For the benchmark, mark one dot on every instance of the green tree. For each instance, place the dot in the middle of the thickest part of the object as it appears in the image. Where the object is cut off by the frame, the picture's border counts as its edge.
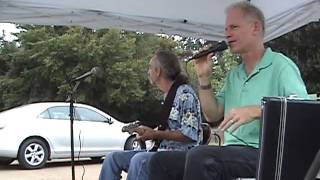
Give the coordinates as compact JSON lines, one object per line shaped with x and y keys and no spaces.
{"x":44,"y":59}
{"x":303,"y":47}
{"x":41,"y":62}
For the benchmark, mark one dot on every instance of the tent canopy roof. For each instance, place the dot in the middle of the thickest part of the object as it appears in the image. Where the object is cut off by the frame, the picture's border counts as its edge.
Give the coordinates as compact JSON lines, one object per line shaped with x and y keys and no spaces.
{"x":200,"y":19}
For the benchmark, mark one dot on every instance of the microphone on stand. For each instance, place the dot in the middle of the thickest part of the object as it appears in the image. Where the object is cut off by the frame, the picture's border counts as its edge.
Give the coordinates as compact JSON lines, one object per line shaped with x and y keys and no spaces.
{"x":95,"y":71}
{"x":221,"y":46}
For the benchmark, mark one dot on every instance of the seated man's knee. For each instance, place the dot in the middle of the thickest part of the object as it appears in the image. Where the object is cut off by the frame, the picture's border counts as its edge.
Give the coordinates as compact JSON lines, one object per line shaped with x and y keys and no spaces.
{"x":200,"y":152}
{"x":155,"y":160}
{"x":195,"y":152}
{"x":110,"y":157}
{"x":193,"y":155}
{"x":138,"y":158}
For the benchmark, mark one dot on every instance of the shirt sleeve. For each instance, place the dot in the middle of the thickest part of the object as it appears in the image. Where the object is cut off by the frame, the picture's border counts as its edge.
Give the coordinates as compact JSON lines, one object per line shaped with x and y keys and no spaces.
{"x":291,"y":82}
{"x":190,"y":116}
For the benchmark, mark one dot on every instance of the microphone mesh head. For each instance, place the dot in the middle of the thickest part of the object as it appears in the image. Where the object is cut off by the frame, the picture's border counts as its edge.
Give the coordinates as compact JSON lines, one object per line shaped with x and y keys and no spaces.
{"x":222,"y":46}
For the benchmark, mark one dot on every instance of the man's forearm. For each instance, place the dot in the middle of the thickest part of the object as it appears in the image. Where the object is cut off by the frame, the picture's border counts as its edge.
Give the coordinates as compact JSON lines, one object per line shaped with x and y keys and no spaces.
{"x":255,"y":111}
{"x":171,"y":135}
{"x":210,"y":107}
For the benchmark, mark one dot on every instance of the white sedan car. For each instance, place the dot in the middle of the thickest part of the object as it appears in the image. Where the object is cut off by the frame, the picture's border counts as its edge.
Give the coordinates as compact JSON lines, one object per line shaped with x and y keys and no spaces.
{"x":38,"y":132}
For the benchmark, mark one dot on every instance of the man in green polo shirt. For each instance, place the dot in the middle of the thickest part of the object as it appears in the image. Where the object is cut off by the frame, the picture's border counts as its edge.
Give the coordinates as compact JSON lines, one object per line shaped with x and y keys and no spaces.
{"x":273,"y":75}
{"x":261,"y":73}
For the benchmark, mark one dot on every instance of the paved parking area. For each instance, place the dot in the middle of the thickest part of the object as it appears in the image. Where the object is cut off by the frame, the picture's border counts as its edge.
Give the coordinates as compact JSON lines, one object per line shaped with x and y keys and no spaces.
{"x":58,"y":170}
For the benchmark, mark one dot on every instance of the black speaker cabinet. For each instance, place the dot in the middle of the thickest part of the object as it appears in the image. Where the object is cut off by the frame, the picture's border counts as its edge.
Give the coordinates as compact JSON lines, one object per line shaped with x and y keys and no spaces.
{"x":290,"y":138}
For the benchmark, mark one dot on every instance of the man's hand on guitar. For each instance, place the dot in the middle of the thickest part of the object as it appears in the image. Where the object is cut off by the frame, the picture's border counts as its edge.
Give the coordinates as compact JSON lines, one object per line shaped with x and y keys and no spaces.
{"x":137,"y":130}
{"x":145,"y":133}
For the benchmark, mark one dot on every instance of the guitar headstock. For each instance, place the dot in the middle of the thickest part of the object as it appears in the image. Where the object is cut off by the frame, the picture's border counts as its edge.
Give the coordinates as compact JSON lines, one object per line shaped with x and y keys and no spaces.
{"x":130,"y":127}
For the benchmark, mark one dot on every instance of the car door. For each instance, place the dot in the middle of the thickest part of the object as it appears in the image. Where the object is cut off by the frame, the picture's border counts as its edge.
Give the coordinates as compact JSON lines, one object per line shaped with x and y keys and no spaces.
{"x":57,"y":131}
{"x":101,"y":133}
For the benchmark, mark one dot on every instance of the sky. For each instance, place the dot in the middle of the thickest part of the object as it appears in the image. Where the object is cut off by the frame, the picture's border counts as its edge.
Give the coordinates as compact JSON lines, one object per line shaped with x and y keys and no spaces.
{"x":8,"y":29}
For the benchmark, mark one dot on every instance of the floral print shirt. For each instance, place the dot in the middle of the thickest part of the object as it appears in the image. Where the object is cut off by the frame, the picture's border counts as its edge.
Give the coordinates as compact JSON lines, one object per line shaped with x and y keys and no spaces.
{"x":185,"y":116}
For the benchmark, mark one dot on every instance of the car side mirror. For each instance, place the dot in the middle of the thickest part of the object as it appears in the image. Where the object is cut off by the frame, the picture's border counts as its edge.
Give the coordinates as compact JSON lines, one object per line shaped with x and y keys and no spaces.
{"x":109,"y":121}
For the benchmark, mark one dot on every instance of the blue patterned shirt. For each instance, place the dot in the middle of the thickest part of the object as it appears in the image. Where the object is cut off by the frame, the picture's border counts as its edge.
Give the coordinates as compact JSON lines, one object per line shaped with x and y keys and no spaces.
{"x":185,"y":116}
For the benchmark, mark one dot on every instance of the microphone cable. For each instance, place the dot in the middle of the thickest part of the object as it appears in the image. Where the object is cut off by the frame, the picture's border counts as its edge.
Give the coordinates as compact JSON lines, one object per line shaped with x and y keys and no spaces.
{"x":82,"y":164}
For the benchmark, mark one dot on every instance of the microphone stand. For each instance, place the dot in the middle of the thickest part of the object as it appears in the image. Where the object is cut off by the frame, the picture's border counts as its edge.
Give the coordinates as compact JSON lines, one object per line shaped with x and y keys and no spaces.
{"x":71,"y":99}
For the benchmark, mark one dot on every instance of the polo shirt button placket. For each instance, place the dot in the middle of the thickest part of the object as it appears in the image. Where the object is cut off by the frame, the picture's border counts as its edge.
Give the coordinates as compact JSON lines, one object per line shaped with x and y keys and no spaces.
{"x":244,"y":87}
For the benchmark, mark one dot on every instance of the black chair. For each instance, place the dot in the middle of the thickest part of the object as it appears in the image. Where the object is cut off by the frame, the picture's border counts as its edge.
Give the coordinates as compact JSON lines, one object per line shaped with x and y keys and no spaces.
{"x":206,"y":133}
{"x":209,"y":136}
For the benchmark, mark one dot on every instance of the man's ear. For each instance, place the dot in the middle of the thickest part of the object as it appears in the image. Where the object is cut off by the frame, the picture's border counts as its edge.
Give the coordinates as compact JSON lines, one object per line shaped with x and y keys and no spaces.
{"x":158,"y":71}
{"x":257,"y":28}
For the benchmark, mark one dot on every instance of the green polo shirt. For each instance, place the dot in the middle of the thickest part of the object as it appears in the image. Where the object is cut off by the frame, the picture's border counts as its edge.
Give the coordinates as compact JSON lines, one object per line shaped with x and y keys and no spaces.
{"x":275,"y":75}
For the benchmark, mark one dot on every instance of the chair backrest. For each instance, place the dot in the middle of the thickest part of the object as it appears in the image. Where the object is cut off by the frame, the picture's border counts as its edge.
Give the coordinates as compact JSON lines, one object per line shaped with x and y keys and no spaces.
{"x":206,"y":133}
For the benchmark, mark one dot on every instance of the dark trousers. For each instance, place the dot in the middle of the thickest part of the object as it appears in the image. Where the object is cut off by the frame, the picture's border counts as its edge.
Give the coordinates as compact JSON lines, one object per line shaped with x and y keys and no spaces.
{"x":205,"y":163}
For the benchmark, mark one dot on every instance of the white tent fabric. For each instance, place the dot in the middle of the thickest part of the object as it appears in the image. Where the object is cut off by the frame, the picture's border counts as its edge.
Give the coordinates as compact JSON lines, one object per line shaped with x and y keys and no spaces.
{"x":200,"y":19}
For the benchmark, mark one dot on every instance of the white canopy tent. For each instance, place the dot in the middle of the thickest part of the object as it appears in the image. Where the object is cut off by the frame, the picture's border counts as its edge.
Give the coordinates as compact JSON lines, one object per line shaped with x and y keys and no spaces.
{"x":200,"y":19}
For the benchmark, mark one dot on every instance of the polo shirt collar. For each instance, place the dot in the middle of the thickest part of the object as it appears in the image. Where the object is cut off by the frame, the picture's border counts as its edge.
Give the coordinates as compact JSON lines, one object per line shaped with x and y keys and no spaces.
{"x":265,"y":62}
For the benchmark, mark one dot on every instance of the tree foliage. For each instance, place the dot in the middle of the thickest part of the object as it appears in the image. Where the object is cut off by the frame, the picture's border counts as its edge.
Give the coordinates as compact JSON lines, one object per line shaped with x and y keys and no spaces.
{"x":39,"y":65}
{"x":303,"y":47}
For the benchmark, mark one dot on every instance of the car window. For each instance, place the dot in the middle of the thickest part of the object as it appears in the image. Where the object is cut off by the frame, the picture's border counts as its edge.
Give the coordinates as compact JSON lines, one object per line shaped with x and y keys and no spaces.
{"x":44,"y":115}
{"x":90,"y":115}
{"x":57,"y":112}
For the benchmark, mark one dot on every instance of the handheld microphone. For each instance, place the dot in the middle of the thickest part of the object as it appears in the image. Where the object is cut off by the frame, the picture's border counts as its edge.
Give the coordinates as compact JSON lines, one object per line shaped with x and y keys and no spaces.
{"x":95,"y":71}
{"x":221,"y":46}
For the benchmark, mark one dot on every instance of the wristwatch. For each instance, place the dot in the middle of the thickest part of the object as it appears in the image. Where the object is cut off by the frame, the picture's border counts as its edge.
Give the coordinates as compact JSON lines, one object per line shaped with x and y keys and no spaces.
{"x":205,"y":87}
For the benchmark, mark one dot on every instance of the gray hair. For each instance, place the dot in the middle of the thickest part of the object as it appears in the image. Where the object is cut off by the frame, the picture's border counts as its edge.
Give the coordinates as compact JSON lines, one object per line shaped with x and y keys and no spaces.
{"x":250,"y":11}
{"x":170,"y":65}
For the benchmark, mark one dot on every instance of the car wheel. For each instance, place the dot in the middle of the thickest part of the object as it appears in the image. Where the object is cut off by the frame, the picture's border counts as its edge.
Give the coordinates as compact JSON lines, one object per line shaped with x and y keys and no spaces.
{"x":6,"y":161}
{"x":33,"y":154}
{"x":133,"y":143}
